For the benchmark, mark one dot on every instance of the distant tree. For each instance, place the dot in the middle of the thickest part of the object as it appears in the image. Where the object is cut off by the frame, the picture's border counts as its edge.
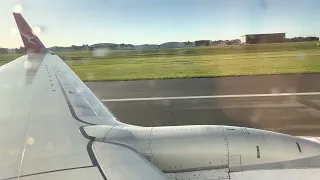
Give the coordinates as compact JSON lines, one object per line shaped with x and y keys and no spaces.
{"x":187,"y":43}
{"x":203,"y":43}
{"x":302,"y":39}
{"x":76,"y":48}
{"x":3,"y":50}
{"x":20,"y":50}
{"x":112,"y":46}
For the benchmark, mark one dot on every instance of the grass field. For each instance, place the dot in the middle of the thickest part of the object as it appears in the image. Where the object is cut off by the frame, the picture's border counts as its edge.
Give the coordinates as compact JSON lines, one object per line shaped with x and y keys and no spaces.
{"x":195,"y":62}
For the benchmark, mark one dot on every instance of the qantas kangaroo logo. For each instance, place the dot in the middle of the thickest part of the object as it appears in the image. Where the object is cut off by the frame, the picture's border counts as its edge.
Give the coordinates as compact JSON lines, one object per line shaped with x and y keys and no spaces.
{"x":29,"y":38}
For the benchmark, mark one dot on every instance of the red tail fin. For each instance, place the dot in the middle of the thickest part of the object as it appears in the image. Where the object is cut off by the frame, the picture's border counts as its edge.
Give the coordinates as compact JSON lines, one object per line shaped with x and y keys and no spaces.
{"x":31,"y":42}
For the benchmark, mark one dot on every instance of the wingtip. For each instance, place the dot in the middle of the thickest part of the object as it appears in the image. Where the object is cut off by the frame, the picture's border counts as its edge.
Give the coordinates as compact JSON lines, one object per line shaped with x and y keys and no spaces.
{"x":16,"y":14}
{"x":31,"y":42}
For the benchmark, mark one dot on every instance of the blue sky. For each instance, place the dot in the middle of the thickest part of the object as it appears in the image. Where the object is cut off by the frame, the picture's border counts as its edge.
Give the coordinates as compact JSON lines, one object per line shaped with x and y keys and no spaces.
{"x":68,"y":22}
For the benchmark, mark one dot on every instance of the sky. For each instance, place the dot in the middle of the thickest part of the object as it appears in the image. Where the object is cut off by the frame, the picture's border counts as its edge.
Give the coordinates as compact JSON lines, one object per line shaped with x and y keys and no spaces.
{"x":77,"y":22}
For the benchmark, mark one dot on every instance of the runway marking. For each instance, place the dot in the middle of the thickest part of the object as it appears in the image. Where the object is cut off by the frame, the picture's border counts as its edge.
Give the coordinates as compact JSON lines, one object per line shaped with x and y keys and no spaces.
{"x":270,"y":105}
{"x":213,"y":96}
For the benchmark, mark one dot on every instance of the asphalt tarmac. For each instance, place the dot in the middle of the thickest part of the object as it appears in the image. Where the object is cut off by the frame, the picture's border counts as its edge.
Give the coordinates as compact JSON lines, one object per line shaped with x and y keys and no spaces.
{"x":283,"y":103}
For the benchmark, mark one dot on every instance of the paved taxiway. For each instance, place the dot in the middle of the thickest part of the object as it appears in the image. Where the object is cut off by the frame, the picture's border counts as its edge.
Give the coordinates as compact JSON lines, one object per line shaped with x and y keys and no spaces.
{"x":283,"y":103}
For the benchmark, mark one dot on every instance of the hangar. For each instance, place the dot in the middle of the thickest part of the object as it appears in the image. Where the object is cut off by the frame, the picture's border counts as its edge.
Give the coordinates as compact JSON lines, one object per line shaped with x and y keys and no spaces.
{"x":263,"y":38}
{"x":169,"y":45}
{"x":147,"y":47}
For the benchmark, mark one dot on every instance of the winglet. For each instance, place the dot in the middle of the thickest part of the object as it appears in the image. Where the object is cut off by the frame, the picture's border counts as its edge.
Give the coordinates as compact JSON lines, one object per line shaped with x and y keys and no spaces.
{"x":31,"y":42}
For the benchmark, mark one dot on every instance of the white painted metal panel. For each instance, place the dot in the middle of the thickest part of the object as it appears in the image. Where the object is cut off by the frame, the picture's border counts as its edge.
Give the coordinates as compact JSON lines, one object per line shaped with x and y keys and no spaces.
{"x":217,"y":174}
{"x":288,"y":150}
{"x":235,"y":163}
{"x":235,"y":137}
{"x":310,"y":138}
{"x":236,"y":147}
{"x":213,"y":174}
{"x":185,"y":148}
{"x":283,"y":174}
{"x":99,"y":132}
{"x":260,"y":149}
{"x":118,"y":162}
{"x":135,"y":137}
{"x":38,"y":132}
{"x":172,"y":176}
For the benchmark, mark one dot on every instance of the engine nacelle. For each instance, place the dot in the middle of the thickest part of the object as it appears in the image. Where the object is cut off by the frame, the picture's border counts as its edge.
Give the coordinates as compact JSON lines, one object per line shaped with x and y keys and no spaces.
{"x":251,"y":149}
{"x":191,"y":148}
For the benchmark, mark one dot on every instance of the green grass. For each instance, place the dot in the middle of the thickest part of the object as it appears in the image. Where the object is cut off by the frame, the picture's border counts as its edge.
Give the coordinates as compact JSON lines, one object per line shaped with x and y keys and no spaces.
{"x":5,"y":58}
{"x":195,"y":62}
{"x":212,"y":50}
{"x":197,"y":66}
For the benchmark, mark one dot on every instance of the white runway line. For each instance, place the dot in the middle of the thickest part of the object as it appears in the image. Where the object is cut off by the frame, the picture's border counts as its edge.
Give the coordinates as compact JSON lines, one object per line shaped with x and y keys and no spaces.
{"x":213,"y":96}
{"x":245,"y":106}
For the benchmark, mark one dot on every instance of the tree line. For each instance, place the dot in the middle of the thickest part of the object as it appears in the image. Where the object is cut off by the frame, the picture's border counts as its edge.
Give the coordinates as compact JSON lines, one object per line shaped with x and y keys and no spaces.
{"x":21,"y":50}
{"x":302,"y":39}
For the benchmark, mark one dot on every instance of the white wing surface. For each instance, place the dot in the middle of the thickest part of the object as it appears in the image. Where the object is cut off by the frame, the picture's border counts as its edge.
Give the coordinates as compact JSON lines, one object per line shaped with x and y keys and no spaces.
{"x":43,"y":108}
{"x":121,"y":162}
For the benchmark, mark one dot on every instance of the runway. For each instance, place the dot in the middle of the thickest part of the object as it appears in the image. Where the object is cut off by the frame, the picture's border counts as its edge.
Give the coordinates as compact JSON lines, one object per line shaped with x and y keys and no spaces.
{"x":283,"y":103}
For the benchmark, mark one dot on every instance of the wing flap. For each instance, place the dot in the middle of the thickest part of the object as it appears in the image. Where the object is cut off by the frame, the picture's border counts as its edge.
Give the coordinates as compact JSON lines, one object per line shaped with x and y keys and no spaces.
{"x":84,"y":103}
{"x":119,"y":162}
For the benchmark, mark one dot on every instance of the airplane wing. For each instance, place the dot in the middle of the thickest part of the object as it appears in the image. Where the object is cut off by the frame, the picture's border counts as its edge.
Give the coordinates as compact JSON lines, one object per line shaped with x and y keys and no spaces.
{"x":48,"y":131}
{"x":43,"y":109}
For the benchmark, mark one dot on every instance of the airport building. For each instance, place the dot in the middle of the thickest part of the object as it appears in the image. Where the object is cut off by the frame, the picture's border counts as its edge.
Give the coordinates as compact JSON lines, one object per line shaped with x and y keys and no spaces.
{"x":169,"y":45}
{"x":110,"y":46}
{"x":263,"y":38}
{"x":146,"y":47}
